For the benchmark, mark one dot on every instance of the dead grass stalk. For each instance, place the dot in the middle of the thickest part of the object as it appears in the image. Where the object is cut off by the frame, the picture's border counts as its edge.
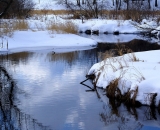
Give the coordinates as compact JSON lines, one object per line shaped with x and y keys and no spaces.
{"x":63,"y":27}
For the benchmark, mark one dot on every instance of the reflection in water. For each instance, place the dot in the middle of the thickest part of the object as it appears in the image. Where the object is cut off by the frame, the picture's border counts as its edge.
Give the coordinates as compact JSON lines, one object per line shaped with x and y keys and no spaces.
{"x":44,"y":93}
{"x":48,"y":90}
{"x":71,"y":57}
{"x":11,"y":117}
{"x":135,"y":45}
{"x":122,"y":117}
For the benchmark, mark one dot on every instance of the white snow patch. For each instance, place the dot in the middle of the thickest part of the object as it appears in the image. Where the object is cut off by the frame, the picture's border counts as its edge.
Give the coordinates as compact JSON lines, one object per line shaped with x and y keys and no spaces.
{"x":143,"y":73}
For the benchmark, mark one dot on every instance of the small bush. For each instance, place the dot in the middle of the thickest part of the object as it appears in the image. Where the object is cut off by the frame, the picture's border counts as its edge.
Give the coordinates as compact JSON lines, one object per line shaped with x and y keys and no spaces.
{"x":66,"y":27}
{"x":20,"y":25}
{"x":49,"y":12}
{"x":6,"y":28}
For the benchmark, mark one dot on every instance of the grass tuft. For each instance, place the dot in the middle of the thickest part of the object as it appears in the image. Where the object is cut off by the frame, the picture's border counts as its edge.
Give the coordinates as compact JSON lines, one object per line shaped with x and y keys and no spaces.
{"x":20,"y":25}
{"x":62,"y":27}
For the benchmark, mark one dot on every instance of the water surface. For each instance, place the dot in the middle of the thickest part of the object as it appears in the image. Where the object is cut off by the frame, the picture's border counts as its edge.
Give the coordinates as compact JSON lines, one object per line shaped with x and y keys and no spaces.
{"x":47,"y":95}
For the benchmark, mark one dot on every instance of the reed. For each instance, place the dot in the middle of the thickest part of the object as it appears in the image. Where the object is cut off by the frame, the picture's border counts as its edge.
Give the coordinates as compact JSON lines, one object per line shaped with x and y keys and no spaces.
{"x":62,"y":27}
{"x":6,"y":28}
{"x":50,"y":12}
{"x":20,"y":25}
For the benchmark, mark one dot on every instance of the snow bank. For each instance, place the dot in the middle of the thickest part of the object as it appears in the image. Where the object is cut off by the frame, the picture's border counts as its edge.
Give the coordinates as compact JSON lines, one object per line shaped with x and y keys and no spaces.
{"x":109,"y":26}
{"x":29,"y":40}
{"x":140,"y":70}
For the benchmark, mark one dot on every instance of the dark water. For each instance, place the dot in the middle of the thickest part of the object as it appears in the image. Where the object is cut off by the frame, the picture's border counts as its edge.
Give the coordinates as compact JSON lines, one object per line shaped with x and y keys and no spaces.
{"x":42,"y":91}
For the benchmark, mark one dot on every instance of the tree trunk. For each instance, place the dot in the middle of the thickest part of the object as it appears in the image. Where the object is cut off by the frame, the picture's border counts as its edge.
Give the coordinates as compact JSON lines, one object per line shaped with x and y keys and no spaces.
{"x":94,"y":2}
{"x":127,"y":1}
{"x":149,"y":4}
{"x":156,"y":3}
{"x":83,"y":2}
{"x":78,"y":3}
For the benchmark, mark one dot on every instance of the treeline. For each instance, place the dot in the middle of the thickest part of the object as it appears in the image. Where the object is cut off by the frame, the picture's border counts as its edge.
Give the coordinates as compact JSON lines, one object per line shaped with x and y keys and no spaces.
{"x":15,"y":8}
{"x":126,"y":9}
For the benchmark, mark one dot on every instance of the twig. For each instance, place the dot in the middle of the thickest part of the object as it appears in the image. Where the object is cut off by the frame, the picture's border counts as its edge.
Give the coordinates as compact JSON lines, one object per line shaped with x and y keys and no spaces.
{"x":91,"y":89}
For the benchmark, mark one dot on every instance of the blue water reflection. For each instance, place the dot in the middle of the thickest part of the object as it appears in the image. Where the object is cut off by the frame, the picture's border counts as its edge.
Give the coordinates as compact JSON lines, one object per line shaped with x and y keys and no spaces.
{"x":48,"y":96}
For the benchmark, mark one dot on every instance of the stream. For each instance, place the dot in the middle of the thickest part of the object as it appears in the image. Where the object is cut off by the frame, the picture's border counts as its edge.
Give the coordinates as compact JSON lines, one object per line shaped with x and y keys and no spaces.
{"x":42,"y":91}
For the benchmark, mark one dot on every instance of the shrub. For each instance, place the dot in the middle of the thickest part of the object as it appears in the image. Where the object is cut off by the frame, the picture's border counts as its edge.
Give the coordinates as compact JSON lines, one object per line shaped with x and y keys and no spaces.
{"x":20,"y":25}
{"x":62,"y":27}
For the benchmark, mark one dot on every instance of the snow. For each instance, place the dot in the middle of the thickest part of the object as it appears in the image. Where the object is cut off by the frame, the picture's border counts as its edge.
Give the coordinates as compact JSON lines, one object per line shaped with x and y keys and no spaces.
{"x":109,"y":26}
{"x":142,"y":73}
{"x":52,"y":4}
{"x":29,"y":40}
{"x":48,"y":4}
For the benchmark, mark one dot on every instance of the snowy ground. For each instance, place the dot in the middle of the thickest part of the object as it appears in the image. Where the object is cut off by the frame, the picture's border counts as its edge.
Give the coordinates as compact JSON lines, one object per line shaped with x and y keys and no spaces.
{"x":41,"y":40}
{"x":37,"y":34}
{"x":140,"y":70}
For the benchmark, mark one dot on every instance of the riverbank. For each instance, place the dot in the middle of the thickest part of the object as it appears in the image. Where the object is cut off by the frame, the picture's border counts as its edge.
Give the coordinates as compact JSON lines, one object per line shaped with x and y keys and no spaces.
{"x":55,"y":31}
{"x":134,"y":75}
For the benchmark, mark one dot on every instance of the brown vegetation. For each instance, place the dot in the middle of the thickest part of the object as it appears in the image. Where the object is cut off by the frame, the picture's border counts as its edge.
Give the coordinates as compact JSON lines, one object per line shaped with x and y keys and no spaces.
{"x":62,"y":27}
{"x":49,"y":12}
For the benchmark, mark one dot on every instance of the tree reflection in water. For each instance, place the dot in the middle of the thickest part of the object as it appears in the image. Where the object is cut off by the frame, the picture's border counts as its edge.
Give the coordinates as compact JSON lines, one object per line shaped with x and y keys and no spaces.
{"x":11,"y":118}
{"x":120,"y":116}
{"x":125,"y":117}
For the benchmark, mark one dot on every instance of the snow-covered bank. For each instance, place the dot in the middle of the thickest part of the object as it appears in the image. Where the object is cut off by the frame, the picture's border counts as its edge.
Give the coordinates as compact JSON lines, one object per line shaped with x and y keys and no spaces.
{"x":109,"y":26}
{"x":116,"y":26}
{"x":29,"y":40}
{"x":110,"y":38}
{"x":139,"y":70}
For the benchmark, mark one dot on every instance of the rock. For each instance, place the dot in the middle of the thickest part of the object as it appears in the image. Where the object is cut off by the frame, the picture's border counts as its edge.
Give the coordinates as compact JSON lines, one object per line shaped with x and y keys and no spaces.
{"x":88,"y":32}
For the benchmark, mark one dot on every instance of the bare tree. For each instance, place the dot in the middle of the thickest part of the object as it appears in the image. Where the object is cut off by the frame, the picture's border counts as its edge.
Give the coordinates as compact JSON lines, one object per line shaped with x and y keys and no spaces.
{"x":4,"y":6}
{"x":113,"y":2}
{"x":149,"y":4}
{"x":94,"y":2}
{"x":78,"y":2}
{"x":118,"y":4}
{"x":83,"y":1}
{"x":156,"y":3}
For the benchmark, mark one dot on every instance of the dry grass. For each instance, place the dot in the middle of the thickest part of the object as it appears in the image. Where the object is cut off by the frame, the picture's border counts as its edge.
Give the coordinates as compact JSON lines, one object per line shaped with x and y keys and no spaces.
{"x":20,"y":25}
{"x":133,"y":57}
{"x":106,"y":54}
{"x":133,"y":14}
{"x":49,"y":12}
{"x":136,"y":15}
{"x":62,"y":27}
{"x":112,"y":88}
{"x":120,"y":63}
{"x":6,"y":29}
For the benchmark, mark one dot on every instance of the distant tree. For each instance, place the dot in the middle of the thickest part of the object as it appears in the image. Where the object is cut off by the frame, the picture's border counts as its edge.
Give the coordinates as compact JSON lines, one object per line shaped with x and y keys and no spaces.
{"x":16,"y":8}
{"x":78,"y":2}
{"x":83,"y":1}
{"x":156,"y":3}
{"x":94,"y":2}
{"x":85,"y":8}
{"x":149,"y":4}
{"x":4,"y":6}
{"x":127,"y":3}
{"x":118,"y":4}
{"x":113,"y":2}
{"x":21,"y":8}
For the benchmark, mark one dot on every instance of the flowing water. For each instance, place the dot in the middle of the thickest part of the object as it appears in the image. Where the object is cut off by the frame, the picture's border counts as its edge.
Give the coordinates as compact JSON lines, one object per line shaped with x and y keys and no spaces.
{"x":42,"y":91}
